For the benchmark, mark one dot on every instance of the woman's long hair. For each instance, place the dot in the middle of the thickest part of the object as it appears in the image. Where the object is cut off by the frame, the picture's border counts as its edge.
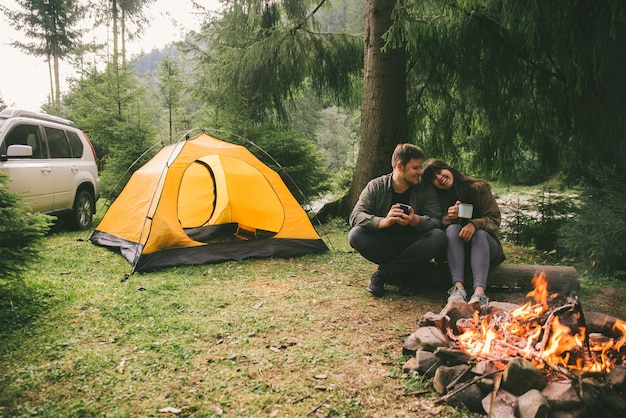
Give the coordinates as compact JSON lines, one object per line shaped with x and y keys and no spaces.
{"x":462,"y":183}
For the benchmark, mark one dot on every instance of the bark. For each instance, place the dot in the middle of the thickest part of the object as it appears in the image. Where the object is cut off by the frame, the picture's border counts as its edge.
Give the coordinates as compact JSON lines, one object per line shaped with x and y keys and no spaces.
{"x":57,"y":82}
{"x":561,"y":279}
{"x":384,"y":109}
{"x":50,"y":76}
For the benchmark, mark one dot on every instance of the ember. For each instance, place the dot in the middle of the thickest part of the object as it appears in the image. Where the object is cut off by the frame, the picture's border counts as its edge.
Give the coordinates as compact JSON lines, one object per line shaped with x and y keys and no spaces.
{"x":527,"y":360}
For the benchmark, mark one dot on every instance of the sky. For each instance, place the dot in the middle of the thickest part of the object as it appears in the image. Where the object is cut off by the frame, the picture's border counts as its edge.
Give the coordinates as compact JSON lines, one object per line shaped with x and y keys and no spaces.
{"x":24,"y":79}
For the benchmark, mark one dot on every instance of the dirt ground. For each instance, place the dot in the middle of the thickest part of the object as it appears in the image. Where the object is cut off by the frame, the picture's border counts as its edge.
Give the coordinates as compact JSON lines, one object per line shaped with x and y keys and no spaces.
{"x":606,"y":300}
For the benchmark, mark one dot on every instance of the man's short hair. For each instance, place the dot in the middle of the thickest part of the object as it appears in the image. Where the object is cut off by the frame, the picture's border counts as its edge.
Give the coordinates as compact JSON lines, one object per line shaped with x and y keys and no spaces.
{"x":405,"y":153}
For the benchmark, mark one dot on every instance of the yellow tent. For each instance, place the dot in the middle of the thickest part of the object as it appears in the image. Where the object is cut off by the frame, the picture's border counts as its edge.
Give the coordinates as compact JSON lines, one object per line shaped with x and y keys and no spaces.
{"x":203,"y":200}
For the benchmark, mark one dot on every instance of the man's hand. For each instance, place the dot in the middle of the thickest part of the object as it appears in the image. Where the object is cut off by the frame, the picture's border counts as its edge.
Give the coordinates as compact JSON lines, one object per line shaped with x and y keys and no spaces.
{"x":397,"y":215}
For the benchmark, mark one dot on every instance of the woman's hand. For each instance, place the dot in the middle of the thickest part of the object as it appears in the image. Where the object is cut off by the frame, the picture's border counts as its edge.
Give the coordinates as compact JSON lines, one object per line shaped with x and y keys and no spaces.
{"x":467,"y":232}
{"x":453,"y":211}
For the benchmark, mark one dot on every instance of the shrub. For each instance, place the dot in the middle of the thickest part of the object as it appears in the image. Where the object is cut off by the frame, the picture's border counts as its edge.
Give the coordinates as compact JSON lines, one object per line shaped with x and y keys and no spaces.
{"x":537,"y":224}
{"x":20,"y":233}
{"x":300,"y":165}
{"x":595,"y":237}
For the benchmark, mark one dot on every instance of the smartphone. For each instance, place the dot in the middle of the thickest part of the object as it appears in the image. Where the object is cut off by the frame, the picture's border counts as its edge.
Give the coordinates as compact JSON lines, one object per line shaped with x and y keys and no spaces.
{"x":405,"y":208}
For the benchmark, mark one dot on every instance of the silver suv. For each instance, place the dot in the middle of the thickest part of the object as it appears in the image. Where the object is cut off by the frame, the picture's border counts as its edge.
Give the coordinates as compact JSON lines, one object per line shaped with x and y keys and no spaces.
{"x":51,"y":163}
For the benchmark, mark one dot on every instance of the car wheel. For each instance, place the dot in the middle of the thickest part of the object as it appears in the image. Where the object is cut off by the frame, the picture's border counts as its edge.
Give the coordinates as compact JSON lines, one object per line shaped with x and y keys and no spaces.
{"x":82,"y":214}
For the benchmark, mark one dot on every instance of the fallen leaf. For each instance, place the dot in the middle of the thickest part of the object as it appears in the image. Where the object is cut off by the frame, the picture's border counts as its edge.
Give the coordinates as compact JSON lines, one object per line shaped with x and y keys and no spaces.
{"x":218,"y":409}
{"x":120,"y":367}
{"x":274,"y":413}
{"x":170,"y":410}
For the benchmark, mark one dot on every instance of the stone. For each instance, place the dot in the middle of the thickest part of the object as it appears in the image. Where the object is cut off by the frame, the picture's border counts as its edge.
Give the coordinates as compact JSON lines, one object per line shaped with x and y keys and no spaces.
{"x":487,"y":367}
{"x":614,"y":404}
{"x":435,"y":320}
{"x":469,"y":397}
{"x":502,"y":405}
{"x":429,"y":338}
{"x":410,"y":365}
{"x":562,"y":396}
{"x":445,"y":375}
{"x":521,"y":376}
{"x":617,"y":378}
{"x":452,"y":356}
{"x":532,"y":404}
{"x":411,"y":345}
{"x":427,"y":363}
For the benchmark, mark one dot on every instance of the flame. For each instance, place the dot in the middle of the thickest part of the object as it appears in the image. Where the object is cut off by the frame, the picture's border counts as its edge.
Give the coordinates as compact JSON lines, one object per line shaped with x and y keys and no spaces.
{"x":540,"y":290}
{"x":620,"y":326}
{"x":526,"y":332}
{"x":561,"y":343}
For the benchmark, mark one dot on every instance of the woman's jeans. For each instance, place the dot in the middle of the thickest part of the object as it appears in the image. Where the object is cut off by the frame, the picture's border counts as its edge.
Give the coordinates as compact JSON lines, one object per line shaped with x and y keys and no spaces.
{"x":482,"y":250}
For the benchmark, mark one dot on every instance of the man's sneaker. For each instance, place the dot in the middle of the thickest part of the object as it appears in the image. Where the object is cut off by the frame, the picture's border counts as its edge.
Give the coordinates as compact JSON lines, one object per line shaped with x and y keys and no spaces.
{"x":456,"y":293}
{"x":479,"y":301}
{"x":377,"y":284}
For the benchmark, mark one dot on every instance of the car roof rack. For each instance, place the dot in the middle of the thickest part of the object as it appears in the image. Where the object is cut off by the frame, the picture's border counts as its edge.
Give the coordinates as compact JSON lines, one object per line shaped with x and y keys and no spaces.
{"x":17,"y":113}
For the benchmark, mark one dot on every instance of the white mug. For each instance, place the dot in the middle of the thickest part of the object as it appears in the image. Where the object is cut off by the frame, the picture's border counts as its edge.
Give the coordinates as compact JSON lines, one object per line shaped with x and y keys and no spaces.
{"x":466,"y":210}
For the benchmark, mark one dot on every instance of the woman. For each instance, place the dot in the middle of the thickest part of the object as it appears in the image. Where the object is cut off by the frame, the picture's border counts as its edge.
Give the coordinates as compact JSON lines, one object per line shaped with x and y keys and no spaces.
{"x":475,"y":237}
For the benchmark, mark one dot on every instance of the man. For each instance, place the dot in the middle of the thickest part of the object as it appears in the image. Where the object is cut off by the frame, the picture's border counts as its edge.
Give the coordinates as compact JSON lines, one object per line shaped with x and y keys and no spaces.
{"x":400,"y":242}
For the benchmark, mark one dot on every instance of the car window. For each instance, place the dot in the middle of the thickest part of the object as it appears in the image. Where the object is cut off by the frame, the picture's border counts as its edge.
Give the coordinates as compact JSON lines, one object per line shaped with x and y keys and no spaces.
{"x":57,"y":143}
{"x":75,"y":144}
{"x":25,"y":135}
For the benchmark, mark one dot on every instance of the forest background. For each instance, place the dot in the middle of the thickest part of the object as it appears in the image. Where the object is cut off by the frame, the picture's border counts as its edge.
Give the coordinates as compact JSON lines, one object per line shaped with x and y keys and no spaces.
{"x":514,"y":92}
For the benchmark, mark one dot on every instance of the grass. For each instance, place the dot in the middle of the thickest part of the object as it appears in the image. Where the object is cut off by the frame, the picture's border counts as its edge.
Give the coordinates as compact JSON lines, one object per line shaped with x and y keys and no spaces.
{"x":269,"y":337}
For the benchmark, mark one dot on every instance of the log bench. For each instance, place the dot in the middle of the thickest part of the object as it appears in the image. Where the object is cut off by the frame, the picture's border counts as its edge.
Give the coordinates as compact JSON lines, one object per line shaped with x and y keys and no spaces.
{"x":561,"y":279}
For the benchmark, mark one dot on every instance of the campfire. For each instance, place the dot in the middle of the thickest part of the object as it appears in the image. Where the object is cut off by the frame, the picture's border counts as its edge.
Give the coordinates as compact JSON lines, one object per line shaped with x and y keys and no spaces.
{"x":533,"y":360}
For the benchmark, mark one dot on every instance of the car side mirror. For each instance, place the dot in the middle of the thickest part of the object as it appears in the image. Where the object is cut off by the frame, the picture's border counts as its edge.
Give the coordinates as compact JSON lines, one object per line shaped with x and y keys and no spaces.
{"x":19,"y":151}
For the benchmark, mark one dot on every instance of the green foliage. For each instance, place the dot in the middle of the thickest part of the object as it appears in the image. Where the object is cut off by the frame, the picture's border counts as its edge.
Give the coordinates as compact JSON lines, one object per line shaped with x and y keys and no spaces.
{"x":343,"y":16}
{"x":21,"y":233}
{"x":258,"y":57}
{"x":114,"y":111}
{"x":499,"y":86}
{"x":300,"y":164}
{"x":595,"y":236}
{"x":171,"y":91}
{"x":335,"y":132}
{"x":537,"y":222}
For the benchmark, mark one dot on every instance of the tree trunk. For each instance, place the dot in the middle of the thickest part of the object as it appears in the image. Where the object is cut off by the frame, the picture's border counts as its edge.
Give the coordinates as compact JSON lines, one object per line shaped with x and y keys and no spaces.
{"x":51,"y":99}
{"x":57,"y":83}
{"x":561,"y":279}
{"x":384,"y":109}
{"x":115,"y":33}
